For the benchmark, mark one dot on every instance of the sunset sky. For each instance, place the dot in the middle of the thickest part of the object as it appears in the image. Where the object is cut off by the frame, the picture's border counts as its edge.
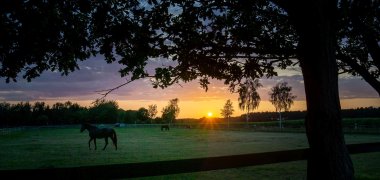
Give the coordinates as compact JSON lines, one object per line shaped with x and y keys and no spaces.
{"x":194,"y":102}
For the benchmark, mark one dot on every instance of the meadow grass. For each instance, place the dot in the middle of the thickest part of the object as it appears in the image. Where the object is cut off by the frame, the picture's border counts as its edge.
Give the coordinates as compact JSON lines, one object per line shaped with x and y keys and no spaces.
{"x":67,"y":147}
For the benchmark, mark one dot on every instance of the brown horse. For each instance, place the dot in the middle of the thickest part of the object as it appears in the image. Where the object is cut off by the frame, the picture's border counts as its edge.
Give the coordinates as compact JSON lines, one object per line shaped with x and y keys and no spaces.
{"x":99,"y":133}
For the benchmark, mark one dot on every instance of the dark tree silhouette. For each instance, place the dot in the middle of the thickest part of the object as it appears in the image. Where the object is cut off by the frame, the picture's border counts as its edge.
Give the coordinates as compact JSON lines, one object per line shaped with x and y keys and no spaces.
{"x":358,"y":51}
{"x":226,"y":40}
{"x":171,"y":111}
{"x":143,"y":115}
{"x":104,"y":112}
{"x":152,"y":111}
{"x":227,"y":111}
{"x":249,"y":98}
{"x":281,"y":98}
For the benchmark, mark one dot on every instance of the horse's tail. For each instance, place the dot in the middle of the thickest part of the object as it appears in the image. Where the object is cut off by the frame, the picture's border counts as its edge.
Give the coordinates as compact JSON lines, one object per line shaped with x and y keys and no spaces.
{"x":114,"y":138}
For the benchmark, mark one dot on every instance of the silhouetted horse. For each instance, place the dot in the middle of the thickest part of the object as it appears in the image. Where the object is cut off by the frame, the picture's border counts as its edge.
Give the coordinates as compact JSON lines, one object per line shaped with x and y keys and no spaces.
{"x":165,"y":127}
{"x":95,"y":132}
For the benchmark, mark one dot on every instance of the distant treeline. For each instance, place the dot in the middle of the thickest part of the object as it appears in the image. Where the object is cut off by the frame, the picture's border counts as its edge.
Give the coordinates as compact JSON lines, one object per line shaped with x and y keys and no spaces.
{"x":363,"y":112}
{"x":108,"y":112}
{"x":39,"y":113}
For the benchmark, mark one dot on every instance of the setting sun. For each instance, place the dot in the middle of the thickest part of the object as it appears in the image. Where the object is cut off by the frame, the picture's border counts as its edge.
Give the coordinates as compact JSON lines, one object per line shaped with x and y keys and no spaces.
{"x":209,"y":114}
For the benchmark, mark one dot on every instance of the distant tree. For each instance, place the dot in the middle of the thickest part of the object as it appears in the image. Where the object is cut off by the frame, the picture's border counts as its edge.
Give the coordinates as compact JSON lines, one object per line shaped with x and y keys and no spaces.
{"x":227,"y":111}
{"x":131,"y":116}
{"x":42,"y":119}
{"x":152,"y":111}
{"x":39,"y":113}
{"x":171,"y":111}
{"x":5,"y":112}
{"x":81,"y":115}
{"x":39,"y":107}
{"x":21,"y":114}
{"x":167,"y":115}
{"x":59,"y":112}
{"x":143,"y":115}
{"x":58,"y":106}
{"x":104,"y":112}
{"x":74,"y":112}
{"x":281,"y":98}
{"x":158,"y":120}
{"x":121,"y":115}
{"x":67,"y":113}
{"x":249,"y":98}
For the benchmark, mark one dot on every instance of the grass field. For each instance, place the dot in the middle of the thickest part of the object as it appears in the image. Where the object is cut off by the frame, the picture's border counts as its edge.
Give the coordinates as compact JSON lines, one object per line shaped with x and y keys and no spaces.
{"x":67,"y":147}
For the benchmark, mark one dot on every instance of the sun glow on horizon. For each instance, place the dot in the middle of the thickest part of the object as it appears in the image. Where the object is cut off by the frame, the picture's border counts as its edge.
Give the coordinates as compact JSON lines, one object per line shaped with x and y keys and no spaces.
{"x":199,"y":109}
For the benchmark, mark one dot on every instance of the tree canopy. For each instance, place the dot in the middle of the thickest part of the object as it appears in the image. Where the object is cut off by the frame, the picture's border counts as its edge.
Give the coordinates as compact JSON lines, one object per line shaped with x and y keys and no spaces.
{"x":281,"y":96}
{"x":152,"y":111}
{"x":227,"y":110}
{"x":249,"y":99}
{"x":171,"y":111}
{"x":243,"y":38}
{"x":358,"y":51}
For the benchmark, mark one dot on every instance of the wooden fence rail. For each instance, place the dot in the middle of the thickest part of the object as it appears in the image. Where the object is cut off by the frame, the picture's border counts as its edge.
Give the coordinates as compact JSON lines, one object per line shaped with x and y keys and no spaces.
{"x":144,"y":169}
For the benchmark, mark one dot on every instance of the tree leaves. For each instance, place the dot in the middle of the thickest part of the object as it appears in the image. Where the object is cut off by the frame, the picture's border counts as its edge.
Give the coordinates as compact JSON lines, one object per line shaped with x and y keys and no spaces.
{"x":281,"y":96}
{"x":226,"y":40}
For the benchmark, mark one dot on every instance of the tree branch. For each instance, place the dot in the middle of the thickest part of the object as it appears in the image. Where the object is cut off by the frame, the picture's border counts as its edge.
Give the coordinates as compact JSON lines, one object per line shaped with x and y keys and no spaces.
{"x":369,"y":35}
{"x":371,"y":80}
{"x":105,"y":92}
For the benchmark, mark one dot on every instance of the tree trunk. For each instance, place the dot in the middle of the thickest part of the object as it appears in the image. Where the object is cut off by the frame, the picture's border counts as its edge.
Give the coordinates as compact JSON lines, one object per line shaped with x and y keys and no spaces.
{"x":315,"y":24}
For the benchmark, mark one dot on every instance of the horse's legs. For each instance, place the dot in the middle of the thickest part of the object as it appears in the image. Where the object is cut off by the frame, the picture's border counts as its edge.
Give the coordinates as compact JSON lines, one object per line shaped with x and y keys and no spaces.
{"x":114,"y":142}
{"x":89,"y":143}
{"x":106,"y":139}
{"x":95,"y":142}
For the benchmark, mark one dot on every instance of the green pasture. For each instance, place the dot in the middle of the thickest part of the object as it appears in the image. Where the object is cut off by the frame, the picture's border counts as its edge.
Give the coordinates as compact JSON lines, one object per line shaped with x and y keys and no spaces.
{"x":67,"y":147}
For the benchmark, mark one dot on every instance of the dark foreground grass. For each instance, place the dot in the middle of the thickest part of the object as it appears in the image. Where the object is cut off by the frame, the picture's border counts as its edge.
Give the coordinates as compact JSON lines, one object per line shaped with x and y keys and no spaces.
{"x":366,"y":168}
{"x":67,"y":147}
